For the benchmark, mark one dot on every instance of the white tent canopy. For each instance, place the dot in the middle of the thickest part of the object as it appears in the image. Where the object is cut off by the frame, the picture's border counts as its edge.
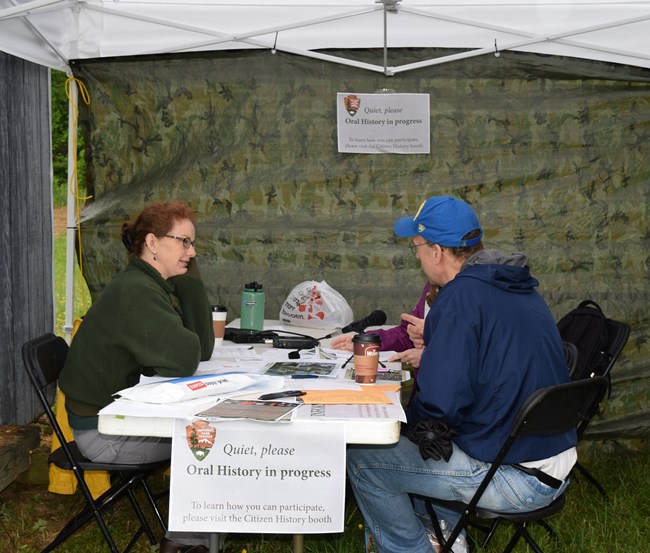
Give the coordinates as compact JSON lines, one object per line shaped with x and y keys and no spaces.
{"x":52,"y":32}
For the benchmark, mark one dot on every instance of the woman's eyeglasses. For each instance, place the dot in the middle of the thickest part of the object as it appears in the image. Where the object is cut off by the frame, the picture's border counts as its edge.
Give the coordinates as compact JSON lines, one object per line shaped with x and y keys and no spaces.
{"x":187,"y":242}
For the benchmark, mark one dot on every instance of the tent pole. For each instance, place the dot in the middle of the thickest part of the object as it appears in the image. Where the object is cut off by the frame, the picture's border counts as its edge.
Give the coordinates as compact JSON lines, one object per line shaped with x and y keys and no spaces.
{"x":29,"y":8}
{"x":71,"y":226}
{"x":385,"y":39}
{"x":389,"y":6}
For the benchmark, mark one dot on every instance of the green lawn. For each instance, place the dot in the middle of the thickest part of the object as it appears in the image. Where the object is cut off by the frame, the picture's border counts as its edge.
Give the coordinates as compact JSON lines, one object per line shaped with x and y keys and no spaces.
{"x":29,"y":516}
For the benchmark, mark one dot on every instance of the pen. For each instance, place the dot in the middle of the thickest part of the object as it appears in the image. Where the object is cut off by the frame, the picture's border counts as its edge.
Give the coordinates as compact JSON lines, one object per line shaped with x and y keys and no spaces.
{"x":304,"y":376}
{"x":278,"y":395}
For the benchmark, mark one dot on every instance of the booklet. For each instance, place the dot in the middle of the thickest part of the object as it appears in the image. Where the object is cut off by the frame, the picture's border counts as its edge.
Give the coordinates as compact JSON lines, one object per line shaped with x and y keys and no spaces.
{"x":302,"y":368}
{"x":252,"y":409}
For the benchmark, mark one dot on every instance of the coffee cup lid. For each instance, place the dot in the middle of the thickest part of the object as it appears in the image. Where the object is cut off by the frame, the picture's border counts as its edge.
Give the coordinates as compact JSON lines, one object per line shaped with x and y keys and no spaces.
{"x":368,"y":338}
{"x":219,"y":308}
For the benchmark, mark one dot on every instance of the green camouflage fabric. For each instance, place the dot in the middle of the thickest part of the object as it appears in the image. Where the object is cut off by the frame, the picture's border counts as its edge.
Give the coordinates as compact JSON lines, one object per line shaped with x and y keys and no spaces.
{"x":551,"y":152}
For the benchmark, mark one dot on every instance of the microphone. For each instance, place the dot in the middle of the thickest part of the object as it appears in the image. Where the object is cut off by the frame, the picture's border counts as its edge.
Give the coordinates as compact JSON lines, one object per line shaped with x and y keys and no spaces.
{"x":376,"y":318}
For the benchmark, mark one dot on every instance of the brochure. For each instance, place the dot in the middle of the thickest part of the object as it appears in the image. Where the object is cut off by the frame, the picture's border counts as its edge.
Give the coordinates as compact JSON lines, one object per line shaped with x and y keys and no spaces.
{"x":302,"y":368}
{"x":251,"y":409}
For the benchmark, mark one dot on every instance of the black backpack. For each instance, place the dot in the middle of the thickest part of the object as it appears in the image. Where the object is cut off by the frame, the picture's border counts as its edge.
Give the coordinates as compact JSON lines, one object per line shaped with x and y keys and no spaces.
{"x":586,"y":327}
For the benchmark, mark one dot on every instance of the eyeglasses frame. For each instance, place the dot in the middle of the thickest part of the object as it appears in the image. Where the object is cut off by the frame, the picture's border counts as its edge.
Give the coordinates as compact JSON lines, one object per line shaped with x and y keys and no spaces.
{"x":413,"y":248}
{"x":187,"y":242}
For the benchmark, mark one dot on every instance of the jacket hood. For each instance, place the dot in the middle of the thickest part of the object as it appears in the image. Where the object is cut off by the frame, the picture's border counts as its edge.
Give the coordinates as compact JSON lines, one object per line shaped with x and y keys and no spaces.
{"x":509,"y":272}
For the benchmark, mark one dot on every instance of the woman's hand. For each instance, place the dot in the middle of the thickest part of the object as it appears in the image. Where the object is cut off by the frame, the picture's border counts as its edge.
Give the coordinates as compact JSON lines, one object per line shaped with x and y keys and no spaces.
{"x":415,"y":329}
{"x":343,"y":342}
{"x":410,"y":356}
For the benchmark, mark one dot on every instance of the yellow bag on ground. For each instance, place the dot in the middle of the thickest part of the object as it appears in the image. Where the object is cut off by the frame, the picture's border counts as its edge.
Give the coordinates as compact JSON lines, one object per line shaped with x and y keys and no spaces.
{"x":62,"y":481}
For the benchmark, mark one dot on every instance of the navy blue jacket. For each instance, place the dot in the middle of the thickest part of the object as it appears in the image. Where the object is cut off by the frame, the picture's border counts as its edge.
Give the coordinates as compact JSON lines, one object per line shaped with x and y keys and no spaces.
{"x":491,"y":340}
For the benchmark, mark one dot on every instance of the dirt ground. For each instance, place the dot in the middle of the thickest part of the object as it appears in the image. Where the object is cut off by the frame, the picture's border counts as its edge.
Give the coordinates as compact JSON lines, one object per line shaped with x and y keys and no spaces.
{"x":60,"y":216}
{"x":9,"y":434}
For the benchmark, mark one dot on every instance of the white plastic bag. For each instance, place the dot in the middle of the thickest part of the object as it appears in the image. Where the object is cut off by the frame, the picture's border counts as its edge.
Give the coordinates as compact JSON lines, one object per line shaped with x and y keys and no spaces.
{"x":191,"y":387}
{"x":314,"y":304}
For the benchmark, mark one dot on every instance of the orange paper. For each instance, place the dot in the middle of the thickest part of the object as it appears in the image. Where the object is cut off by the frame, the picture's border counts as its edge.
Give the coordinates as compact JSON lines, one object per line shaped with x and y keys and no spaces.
{"x":382,"y":387}
{"x":345,"y":397}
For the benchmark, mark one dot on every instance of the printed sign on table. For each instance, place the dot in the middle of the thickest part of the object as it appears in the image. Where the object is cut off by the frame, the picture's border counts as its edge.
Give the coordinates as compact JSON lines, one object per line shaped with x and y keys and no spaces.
{"x":383,"y":123}
{"x":255,"y":477}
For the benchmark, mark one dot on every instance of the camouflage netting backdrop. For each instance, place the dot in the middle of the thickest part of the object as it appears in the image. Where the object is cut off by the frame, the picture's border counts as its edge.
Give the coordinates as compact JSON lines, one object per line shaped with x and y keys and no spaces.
{"x":551,"y":152}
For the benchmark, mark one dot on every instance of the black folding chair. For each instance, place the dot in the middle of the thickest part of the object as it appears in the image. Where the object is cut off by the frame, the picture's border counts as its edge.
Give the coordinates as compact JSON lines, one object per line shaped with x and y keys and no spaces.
{"x":548,"y":411}
{"x":44,"y":358}
{"x":618,"y":334}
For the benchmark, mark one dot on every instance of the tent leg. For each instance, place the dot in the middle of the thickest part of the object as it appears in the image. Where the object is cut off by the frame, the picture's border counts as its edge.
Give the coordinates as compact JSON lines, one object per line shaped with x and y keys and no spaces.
{"x":71,"y":226}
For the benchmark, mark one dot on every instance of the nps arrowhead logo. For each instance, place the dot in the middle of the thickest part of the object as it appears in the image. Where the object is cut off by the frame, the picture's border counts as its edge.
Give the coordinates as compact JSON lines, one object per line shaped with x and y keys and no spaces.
{"x":200,"y":438}
{"x":352,"y":104}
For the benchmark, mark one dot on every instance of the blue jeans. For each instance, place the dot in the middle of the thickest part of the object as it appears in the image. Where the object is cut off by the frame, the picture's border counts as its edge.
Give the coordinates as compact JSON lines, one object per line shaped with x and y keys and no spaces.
{"x":383,"y":477}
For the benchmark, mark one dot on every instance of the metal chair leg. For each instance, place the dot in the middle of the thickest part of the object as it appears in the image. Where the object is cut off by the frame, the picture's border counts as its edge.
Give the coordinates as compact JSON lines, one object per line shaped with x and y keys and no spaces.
{"x":592,"y":479}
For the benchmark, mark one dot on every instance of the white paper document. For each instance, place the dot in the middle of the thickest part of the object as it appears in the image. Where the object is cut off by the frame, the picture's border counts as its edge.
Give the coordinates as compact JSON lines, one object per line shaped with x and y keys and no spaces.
{"x":184,"y":409}
{"x":233,"y":352}
{"x":259,"y":384}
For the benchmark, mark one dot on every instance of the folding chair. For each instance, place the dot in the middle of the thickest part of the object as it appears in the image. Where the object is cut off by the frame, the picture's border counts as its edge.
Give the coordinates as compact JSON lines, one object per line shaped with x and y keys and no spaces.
{"x":547,"y":411}
{"x":618,"y":334}
{"x":44,"y":358}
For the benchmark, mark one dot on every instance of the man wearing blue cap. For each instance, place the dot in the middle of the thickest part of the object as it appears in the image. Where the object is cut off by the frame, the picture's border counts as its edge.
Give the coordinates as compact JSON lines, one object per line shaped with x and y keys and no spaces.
{"x":490,"y":342}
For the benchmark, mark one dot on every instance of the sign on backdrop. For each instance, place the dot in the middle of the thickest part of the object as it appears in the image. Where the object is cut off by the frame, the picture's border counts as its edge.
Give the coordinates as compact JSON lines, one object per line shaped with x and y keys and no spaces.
{"x":253,"y":477}
{"x":383,"y":123}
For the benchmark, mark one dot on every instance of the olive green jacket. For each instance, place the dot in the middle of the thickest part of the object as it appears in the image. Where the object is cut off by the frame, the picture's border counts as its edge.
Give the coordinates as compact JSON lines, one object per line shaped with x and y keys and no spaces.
{"x":140,"y":324}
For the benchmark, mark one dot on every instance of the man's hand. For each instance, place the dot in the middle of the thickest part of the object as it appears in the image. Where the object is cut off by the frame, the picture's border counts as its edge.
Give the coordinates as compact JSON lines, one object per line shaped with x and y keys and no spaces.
{"x":410,"y":356}
{"x":343,"y":342}
{"x":415,"y":329}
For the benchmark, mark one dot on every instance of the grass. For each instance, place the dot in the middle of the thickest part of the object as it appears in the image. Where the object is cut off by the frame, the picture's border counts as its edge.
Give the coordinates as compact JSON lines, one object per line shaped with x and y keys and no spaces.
{"x":30,"y":516}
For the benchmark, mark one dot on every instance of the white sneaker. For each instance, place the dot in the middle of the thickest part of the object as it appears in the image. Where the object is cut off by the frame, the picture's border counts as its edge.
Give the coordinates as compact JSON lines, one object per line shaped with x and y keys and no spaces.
{"x":460,"y":545}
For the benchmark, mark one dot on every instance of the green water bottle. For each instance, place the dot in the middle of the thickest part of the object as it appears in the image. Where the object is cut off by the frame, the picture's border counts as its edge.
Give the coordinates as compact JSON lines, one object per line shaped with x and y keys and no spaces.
{"x":252,"y":306}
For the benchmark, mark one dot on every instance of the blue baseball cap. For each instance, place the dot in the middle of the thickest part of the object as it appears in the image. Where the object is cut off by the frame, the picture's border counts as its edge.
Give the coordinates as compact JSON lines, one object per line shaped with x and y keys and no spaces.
{"x":441,"y":220}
